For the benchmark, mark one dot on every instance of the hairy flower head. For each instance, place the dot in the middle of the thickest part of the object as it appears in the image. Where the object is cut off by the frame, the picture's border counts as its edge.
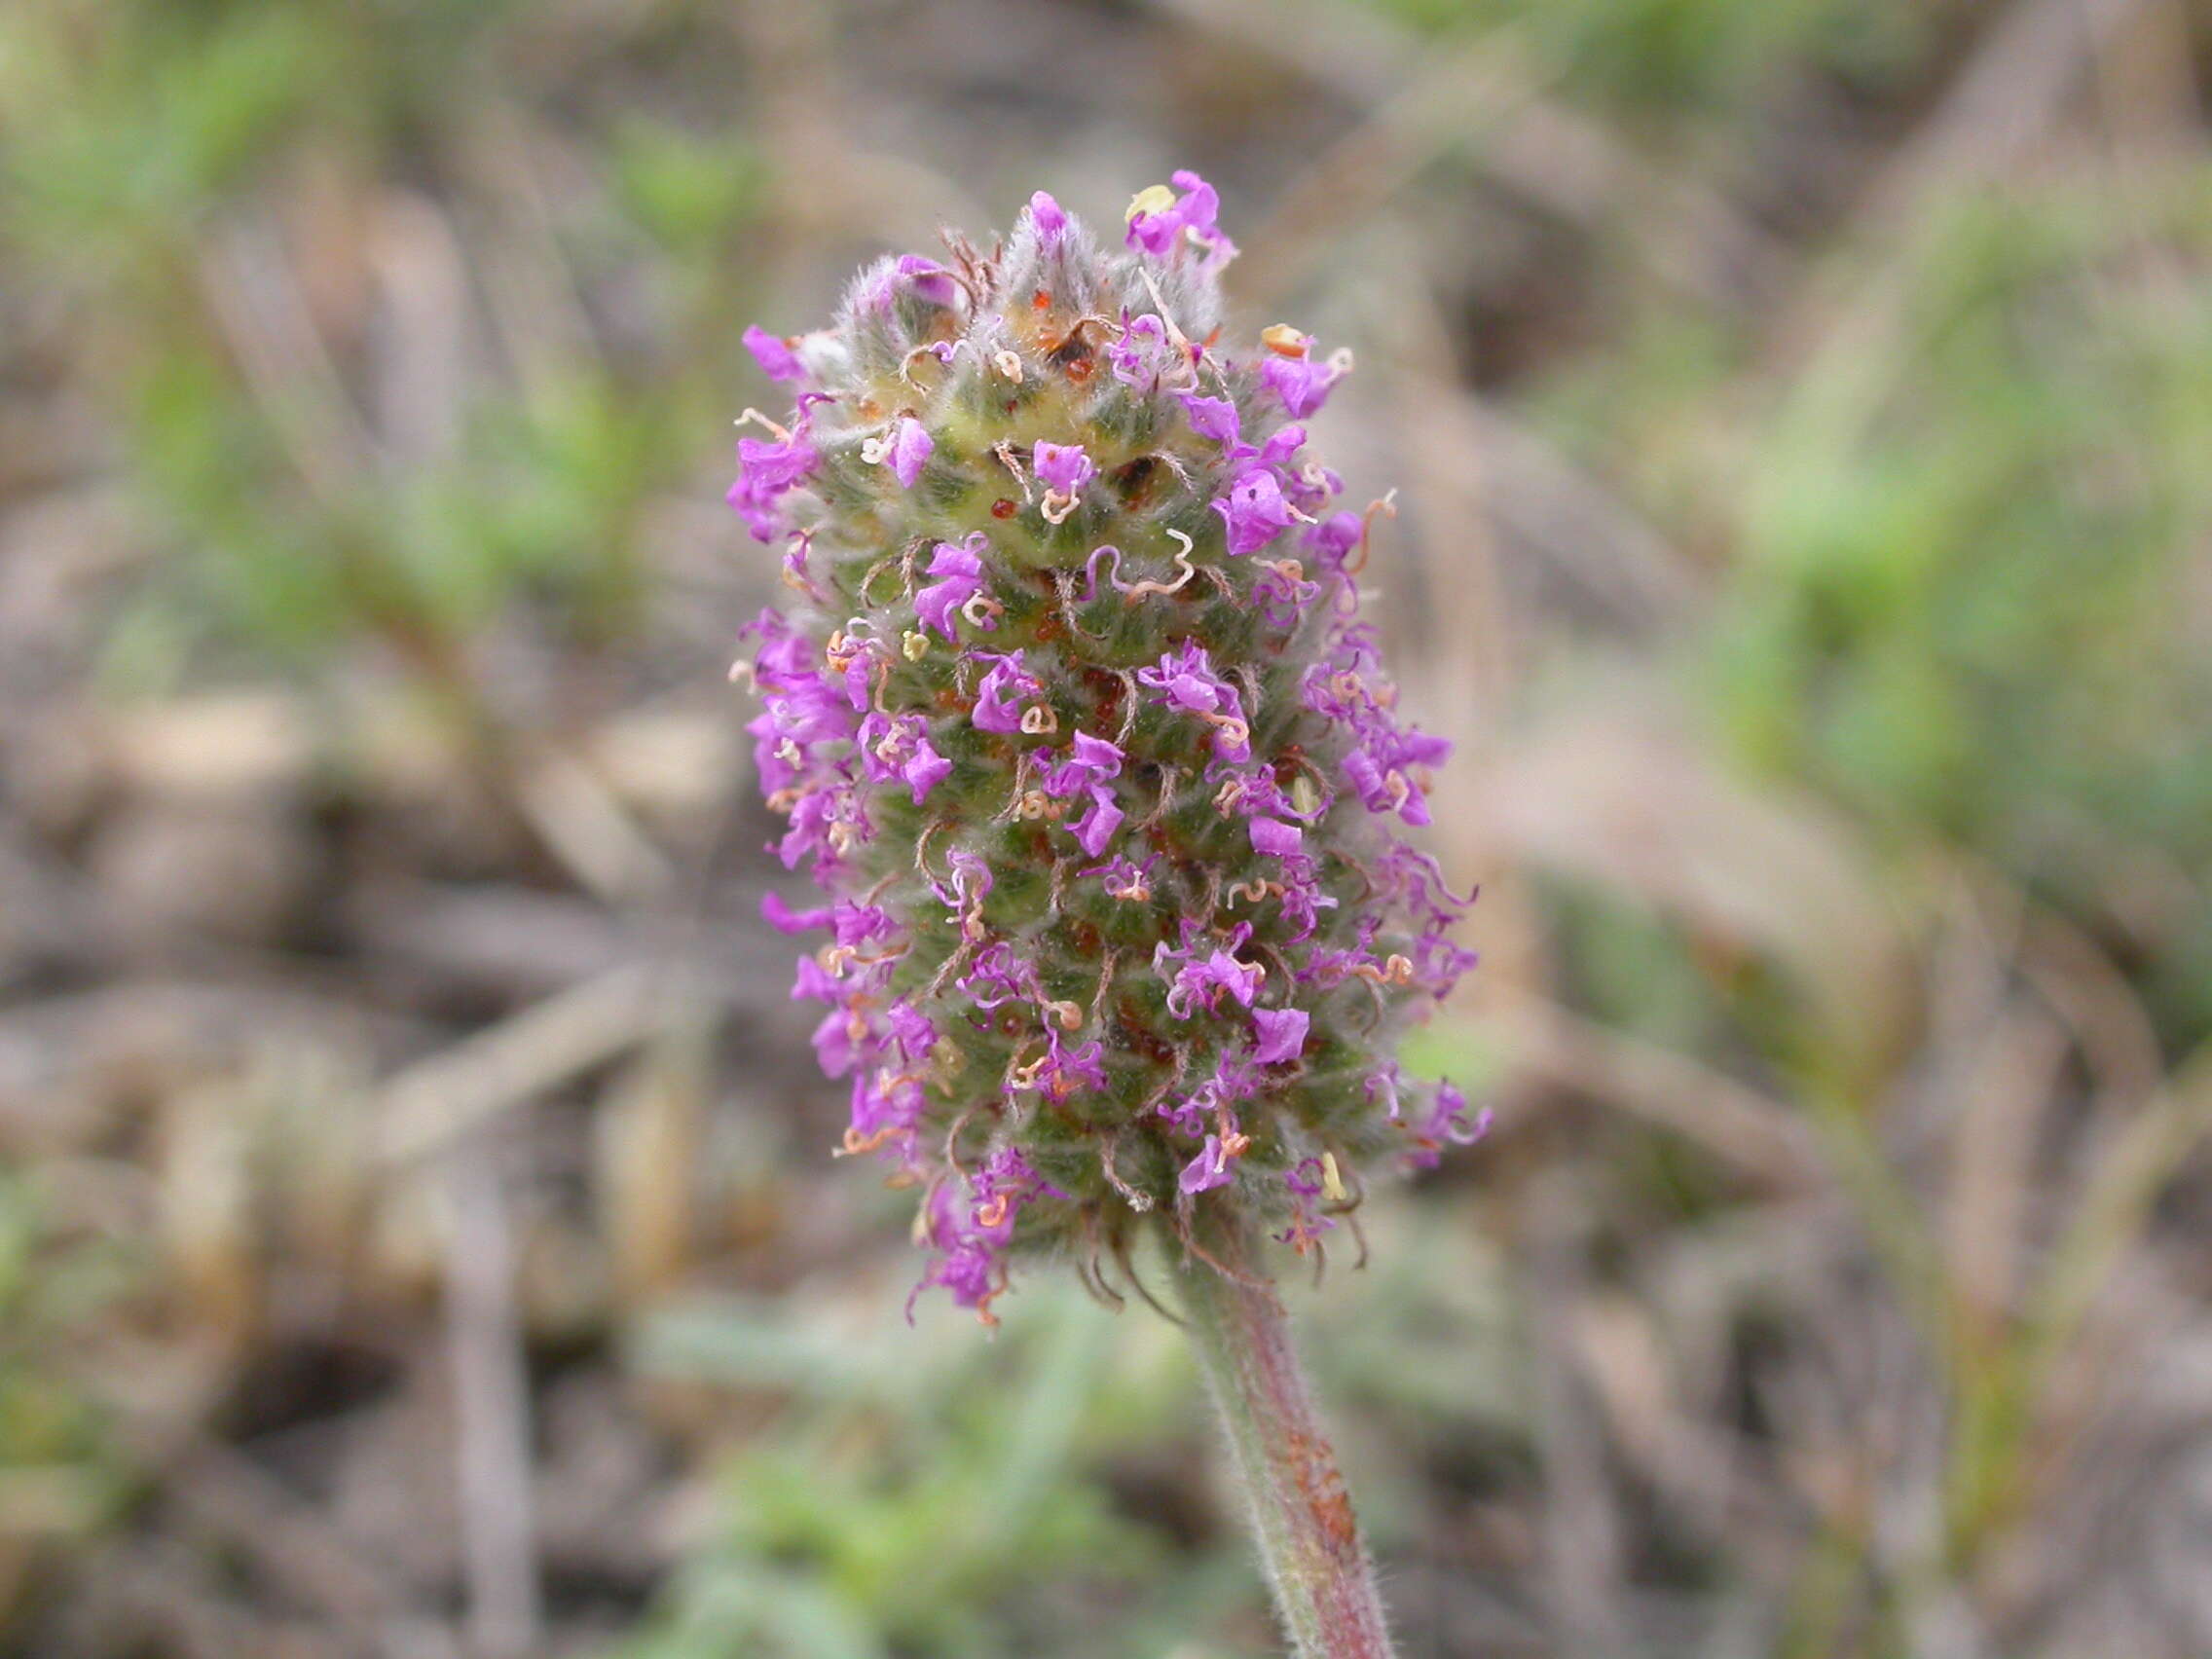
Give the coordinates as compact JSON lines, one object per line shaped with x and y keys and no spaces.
{"x":1076,"y":724}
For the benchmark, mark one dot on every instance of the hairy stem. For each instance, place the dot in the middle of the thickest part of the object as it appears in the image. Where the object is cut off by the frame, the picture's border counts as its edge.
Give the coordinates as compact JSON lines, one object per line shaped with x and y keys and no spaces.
{"x":1309,"y":1543}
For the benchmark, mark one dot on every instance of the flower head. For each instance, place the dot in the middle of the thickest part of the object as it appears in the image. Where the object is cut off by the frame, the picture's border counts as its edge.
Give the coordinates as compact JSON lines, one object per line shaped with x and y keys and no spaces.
{"x":1079,"y":732}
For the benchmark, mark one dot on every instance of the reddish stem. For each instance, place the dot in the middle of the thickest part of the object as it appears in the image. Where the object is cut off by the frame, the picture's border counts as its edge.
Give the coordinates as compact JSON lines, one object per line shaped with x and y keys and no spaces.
{"x":1309,"y":1543}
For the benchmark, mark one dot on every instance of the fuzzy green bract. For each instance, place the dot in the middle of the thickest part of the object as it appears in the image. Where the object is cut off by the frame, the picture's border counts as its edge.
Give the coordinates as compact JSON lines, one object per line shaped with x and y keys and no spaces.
{"x":1078,"y":730}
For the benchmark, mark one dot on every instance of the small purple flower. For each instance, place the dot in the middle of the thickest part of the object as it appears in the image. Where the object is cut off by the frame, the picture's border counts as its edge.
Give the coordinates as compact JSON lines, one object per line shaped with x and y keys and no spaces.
{"x":1006,"y":1183}
{"x":1140,"y":357}
{"x":767,"y":470}
{"x":999,"y":976}
{"x":911,"y":1031}
{"x":879,"y":286}
{"x":1299,"y":381}
{"x":1204,"y":982}
{"x":1067,"y":1071}
{"x":971,"y":881}
{"x":927,"y":280}
{"x":1208,"y":1170}
{"x":1050,"y":220}
{"x":1306,"y":1182}
{"x":1096,"y":831}
{"x":786,"y":920}
{"x":959,"y":568}
{"x":1284,"y":592}
{"x":1446,"y":1125}
{"x":777,"y":360}
{"x":1334,"y":539}
{"x":1063,"y":468}
{"x":1273,"y":836}
{"x":999,"y":698}
{"x":902,"y":449}
{"x":1124,"y":879}
{"x":1281,"y":1033}
{"x":795,"y":572}
{"x":1212,"y":417}
{"x":1254,"y":510}
{"x":836,"y":1041}
{"x":1188,"y":681}
{"x":814,"y":984}
{"x":1185,"y":680}
{"x":924,"y":770}
{"x":1161,"y":222}
{"x":1280,"y":448}
{"x":1089,"y":759}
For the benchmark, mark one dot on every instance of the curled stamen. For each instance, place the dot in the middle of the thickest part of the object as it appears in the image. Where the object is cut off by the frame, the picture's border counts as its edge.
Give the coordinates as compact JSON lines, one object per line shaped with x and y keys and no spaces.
{"x":1385,"y":507}
{"x":1137,"y":590}
{"x":754,"y":416}
{"x":943,"y":353}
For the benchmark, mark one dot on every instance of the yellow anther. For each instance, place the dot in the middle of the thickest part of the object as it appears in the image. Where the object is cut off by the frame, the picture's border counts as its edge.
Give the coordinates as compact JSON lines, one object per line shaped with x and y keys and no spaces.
{"x":1332,"y":1179}
{"x":1283,"y":340}
{"x":1151,"y":199}
{"x":915,"y":643}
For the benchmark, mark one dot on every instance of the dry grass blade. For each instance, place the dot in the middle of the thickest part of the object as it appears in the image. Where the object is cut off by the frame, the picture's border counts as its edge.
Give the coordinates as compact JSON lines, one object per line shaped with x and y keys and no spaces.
{"x":492,"y":1410}
{"x":1730,"y":1119}
{"x":438,"y":1100}
{"x":2116,"y":1204}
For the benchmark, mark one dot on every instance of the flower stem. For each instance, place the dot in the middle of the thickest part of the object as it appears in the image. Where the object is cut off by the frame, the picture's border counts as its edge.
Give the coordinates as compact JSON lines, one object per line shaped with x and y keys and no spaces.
{"x":1309,"y":1543}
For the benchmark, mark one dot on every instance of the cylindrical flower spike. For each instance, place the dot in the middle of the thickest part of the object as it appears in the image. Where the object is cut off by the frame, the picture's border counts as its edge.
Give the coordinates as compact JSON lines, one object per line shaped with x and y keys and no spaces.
{"x":1076,"y":724}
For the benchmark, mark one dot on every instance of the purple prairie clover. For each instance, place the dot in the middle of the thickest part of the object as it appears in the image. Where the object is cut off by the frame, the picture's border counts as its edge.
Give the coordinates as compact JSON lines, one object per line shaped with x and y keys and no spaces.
{"x":1076,"y":726}
{"x":1254,"y":510}
{"x":1281,"y":1032}
{"x":779,"y":914}
{"x":1164,"y":224}
{"x":1096,"y":834}
{"x":1141,"y":357}
{"x":1089,"y":759}
{"x":777,"y":360}
{"x":1446,"y":1123}
{"x":999,"y":698}
{"x":959,"y":569}
{"x":1207,"y":1171}
{"x":1185,"y":680}
{"x":903,"y":449}
{"x":1063,"y":468}
{"x":1049,"y":220}
{"x":768,"y":470}
{"x":1212,"y":417}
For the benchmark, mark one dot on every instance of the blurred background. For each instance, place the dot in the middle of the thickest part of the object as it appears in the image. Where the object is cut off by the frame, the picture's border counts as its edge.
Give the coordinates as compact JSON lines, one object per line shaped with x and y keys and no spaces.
{"x":418,"y":1234}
